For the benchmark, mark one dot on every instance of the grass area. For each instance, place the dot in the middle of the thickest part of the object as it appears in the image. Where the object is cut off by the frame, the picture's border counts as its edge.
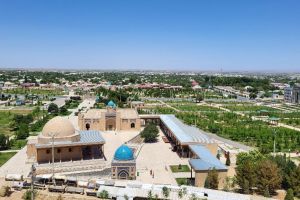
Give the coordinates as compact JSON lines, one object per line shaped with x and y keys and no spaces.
{"x":4,"y":157}
{"x":5,"y":119}
{"x":183,"y":181}
{"x":180,"y":168}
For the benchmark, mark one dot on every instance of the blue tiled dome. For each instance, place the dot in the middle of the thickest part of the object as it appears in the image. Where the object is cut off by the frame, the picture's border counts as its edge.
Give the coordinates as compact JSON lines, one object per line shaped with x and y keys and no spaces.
{"x":123,"y":153}
{"x":111,"y":104}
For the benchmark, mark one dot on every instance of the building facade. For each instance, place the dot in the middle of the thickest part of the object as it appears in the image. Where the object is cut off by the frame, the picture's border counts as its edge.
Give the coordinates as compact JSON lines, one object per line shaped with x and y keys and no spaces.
{"x":109,"y":119}
{"x":292,"y":94}
{"x":68,"y":144}
{"x":123,"y":165}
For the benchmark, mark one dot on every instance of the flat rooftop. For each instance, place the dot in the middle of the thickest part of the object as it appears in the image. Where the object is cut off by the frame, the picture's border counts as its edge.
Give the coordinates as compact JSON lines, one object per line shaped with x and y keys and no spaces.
{"x":185,"y":134}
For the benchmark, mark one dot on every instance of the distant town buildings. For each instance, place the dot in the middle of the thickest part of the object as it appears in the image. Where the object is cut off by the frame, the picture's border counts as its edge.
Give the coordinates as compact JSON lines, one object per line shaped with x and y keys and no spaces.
{"x":292,"y":94}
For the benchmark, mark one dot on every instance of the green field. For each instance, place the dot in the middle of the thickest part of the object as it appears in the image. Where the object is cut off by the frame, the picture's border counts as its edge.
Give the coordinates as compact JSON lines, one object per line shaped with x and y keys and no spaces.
{"x":184,"y":168}
{"x":4,"y":157}
{"x":6,"y":117}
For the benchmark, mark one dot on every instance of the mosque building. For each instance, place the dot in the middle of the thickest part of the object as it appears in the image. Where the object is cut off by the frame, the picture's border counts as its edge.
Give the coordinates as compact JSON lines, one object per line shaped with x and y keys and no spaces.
{"x":68,"y":144}
{"x":109,"y":119}
{"x":123,"y":165}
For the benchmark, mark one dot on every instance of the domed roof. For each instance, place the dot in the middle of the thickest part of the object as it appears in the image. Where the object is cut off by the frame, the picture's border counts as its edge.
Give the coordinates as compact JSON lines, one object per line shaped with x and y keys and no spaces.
{"x":111,"y":104}
{"x":59,"y":126}
{"x":123,"y":153}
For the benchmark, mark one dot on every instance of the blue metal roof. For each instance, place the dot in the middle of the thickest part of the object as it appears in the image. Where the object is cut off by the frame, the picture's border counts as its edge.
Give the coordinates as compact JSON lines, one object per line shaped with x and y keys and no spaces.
{"x":123,"y":153}
{"x":91,"y":136}
{"x":205,"y":160}
{"x":184,"y":133}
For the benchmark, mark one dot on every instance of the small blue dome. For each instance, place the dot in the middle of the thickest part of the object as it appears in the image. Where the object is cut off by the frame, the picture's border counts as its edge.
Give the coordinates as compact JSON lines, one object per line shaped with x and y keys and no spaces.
{"x":123,"y":153}
{"x":111,"y":104}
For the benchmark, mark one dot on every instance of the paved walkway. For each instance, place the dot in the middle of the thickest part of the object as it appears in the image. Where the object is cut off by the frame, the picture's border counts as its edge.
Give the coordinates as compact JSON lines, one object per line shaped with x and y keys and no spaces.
{"x":16,"y":165}
{"x":158,"y":157}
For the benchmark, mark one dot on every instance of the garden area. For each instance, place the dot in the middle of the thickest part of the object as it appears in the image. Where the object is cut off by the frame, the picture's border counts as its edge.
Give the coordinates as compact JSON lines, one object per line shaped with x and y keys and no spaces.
{"x":243,"y":129}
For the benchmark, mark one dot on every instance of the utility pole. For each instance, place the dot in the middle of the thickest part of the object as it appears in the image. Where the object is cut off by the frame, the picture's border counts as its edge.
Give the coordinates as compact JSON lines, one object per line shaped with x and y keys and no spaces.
{"x":32,"y":180}
{"x":52,"y":135}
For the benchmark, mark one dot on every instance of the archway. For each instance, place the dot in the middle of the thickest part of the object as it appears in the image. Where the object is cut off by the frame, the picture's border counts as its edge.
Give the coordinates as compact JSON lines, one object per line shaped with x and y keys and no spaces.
{"x":87,"y":126}
{"x":123,"y":174}
{"x":132,"y":125}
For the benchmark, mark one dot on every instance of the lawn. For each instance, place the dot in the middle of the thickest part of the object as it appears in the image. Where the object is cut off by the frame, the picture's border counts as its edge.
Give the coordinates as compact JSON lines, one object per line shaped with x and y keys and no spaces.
{"x":180,"y":168}
{"x":4,"y":157}
{"x":5,"y":119}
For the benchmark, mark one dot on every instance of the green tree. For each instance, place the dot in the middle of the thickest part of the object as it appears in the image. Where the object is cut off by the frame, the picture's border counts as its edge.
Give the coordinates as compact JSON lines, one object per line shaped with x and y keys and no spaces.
{"x":294,"y":181}
{"x":212,"y":180}
{"x":53,"y":108}
{"x":245,"y":176}
{"x":289,"y":195}
{"x":268,"y":177}
{"x":150,"y":133}
{"x":22,"y":132}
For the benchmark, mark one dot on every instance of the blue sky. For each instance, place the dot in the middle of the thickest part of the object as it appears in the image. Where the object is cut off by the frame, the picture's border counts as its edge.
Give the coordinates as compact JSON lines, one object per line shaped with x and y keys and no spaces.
{"x":247,"y":35}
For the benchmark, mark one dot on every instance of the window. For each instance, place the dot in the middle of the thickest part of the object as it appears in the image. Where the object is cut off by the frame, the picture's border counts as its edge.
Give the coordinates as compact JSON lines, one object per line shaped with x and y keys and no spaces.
{"x":70,"y":149}
{"x":48,"y":151}
{"x":58,"y":150}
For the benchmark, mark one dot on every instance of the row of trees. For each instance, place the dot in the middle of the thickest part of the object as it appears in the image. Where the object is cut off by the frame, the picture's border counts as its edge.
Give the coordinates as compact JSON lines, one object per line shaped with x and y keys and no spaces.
{"x":265,"y":174}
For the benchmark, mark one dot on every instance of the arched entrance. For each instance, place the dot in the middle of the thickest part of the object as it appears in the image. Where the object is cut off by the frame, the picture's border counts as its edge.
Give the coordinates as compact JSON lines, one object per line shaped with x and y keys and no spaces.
{"x":132,"y":125}
{"x":123,"y":175}
{"x":87,"y":126}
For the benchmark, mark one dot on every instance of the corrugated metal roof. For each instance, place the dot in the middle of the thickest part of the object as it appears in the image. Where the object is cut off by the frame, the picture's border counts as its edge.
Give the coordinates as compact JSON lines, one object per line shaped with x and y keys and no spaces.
{"x":185,"y":134}
{"x":205,"y":160}
{"x":86,"y":137}
{"x":91,"y":136}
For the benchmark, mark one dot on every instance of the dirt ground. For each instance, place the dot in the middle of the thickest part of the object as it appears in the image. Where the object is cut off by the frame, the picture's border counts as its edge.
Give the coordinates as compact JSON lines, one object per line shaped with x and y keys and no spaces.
{"x":45,"y":195}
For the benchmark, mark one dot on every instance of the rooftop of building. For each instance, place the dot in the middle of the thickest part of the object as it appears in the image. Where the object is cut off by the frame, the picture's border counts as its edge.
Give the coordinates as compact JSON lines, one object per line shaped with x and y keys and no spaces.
{"x":126,"y":113}
{"x":185,"y":134}
{"x":205,"y":160}
{"x":86,"y":138}
{"x":124,"y":153}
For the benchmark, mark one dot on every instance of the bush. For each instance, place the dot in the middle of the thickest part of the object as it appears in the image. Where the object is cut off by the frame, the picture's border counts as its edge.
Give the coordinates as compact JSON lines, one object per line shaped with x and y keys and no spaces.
{"x":289,"y":195}
{"x":4,"y":191}
{"x":103,"y":194}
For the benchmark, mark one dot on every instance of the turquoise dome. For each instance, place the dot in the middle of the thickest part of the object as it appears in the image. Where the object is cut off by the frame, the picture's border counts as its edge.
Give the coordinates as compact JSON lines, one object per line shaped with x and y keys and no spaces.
{"x":123,"y":153}
{"x":111,"y":104}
